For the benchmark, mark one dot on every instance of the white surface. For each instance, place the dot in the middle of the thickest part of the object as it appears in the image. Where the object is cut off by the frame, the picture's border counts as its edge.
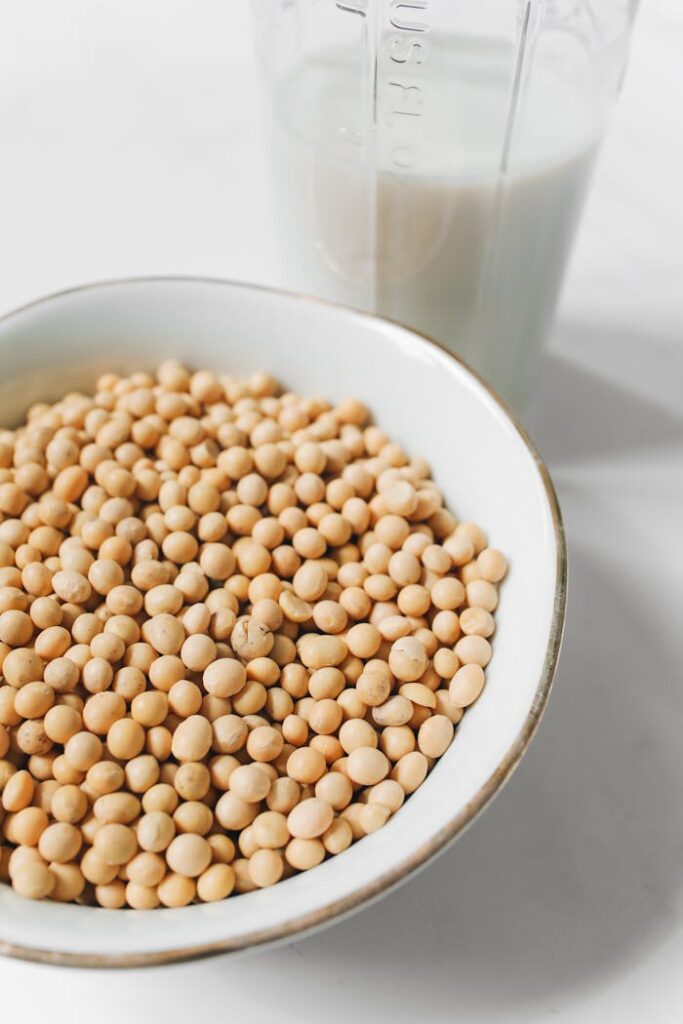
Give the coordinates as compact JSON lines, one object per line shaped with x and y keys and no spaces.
{"x":55,"y":346}
{"x":565,"y":902}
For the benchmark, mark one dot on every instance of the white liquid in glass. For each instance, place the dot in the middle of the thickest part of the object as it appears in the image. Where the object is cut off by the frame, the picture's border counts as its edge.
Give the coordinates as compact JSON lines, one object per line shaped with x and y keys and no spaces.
{"x":467,"y":245}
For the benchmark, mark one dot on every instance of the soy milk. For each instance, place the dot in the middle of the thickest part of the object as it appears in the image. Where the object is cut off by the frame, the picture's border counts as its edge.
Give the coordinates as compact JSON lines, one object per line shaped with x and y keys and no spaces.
{"x":462,"y":227}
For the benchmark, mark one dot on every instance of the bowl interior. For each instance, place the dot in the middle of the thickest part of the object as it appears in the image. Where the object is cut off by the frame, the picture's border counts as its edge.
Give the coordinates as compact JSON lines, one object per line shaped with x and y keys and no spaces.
{"x":436,"y":408}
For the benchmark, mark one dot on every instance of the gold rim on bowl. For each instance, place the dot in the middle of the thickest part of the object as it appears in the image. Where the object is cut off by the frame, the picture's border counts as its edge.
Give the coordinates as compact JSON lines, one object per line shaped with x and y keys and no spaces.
{"x":457,"y":825}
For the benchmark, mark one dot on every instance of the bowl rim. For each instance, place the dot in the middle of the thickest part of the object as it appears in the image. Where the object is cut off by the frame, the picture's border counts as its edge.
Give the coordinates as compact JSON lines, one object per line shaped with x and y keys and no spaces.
{"x":436,"y":844}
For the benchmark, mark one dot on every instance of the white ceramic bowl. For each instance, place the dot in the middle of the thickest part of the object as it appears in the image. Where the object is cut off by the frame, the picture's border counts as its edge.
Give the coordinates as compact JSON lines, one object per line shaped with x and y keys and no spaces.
{"x":489,"y":472}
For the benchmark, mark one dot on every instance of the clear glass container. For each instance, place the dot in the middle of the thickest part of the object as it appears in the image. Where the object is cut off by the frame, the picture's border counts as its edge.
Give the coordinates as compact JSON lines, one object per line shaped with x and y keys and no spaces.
{"x":430,"y":158}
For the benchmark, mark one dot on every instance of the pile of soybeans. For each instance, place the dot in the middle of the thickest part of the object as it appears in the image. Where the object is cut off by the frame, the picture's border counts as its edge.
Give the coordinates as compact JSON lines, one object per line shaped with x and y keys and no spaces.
{"x":237,"y":628}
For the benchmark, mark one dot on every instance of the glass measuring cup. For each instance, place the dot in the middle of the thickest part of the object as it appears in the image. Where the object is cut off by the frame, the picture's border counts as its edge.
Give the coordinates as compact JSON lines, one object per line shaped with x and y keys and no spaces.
{"x":430,"y":158}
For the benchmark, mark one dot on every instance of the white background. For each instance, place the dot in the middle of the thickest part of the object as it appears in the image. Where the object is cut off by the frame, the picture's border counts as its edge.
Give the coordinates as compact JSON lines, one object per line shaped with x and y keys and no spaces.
{"x":129,"y":145}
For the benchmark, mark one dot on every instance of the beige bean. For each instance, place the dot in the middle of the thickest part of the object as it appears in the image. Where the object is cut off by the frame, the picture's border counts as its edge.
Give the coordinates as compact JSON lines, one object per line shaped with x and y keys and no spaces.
{"x":18,"y":791}
{"x":250,"y":783}
{"x":192,"y":739}
{"x":419,"y":694}
{"x":265,"y":743}
{"x":373,"y":687}
{"x":164,"y":633}
{"x":492,"y":565}
{"x":356,"y":733}
{"x":373,"y":817}
{"x":310,"y":818}
{"x":155,"y":830}
{"x":270,"y":830}
{"x":318,"y":651}
{"x":411,"y":771}
{"x":216,"y":883}
{"x":224,"y":677}
{"x":33,"y":880}
{"x":482,"y":594}
{"x":69,"y":804}
{"x":407,"y":659}
{"x":234,"y":813}
{"x":335,"y":789}
{"x":266,"y":867}
{"x":60,"y":842}
{"x":338,"y":836}
{"x":69,"y":882}
{"x":367,"y":766}
{"x":306,"y":765}
{"x":188,"y":855}
{"x":115,"y":844}
{"x":192,"y":780}
{"x":389,"y":793}
{"x":304,"y":854}
{"x":473,"y":650}
{"x":176,"y":890}
{"x":396,"y":741}
{"x":476,"y":622}
{"x":435,"y":735}
{"x":466,"y":685}
{"x":397,"y":710}
{"x":123,"y":808}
